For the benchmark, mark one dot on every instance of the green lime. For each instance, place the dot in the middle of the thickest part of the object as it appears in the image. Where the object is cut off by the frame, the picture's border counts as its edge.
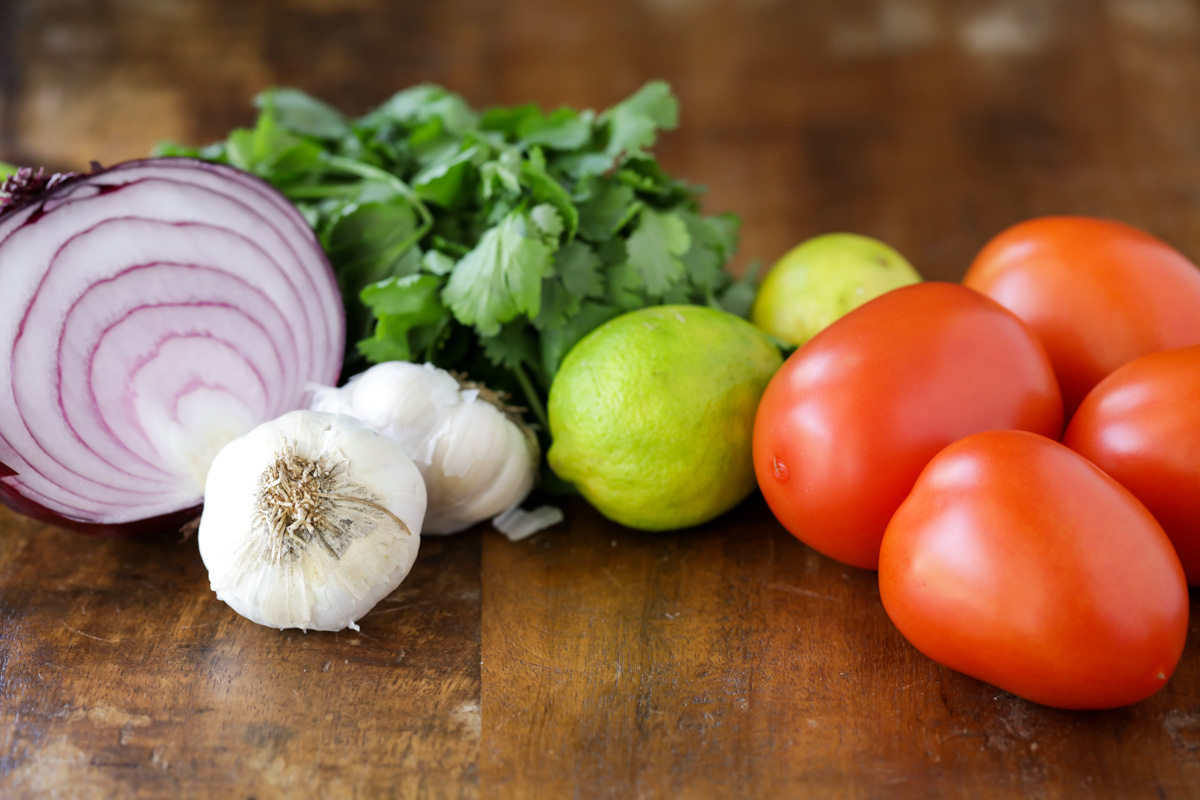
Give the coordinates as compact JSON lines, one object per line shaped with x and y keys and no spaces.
{"x":652,"y":414}
{"x":822,"y":279}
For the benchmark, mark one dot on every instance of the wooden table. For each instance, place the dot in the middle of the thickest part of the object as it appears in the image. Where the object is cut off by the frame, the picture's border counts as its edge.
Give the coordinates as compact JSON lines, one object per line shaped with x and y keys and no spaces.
{"x":592,"y":661}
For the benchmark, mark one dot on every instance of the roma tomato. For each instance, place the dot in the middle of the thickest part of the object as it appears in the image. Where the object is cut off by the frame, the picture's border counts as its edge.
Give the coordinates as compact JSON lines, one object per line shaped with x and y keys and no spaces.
{"x":1141,"y":425}
{"x":1097,"y":293}
{"x":849,"y":421}
{"x":1020,"y":563}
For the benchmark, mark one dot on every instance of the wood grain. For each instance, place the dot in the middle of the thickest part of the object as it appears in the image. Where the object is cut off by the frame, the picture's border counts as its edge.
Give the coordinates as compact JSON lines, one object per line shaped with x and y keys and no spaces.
{"x":733,"y":661}
{"x":728,"y":661}
{"x":123,"y":676}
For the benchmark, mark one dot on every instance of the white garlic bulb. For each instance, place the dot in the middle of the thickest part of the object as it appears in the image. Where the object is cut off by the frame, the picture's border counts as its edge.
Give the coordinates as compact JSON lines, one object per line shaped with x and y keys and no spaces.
{"x":476,"y":461}
{"x":310,"y":520}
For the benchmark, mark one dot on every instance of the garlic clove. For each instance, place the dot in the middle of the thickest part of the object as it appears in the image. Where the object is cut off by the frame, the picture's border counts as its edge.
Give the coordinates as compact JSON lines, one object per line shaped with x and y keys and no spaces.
{"x":483,"y":464}
{"x":321,"y":561}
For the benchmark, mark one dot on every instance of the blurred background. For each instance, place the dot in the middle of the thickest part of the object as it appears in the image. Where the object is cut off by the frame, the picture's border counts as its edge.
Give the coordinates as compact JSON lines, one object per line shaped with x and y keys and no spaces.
{"x":930,"y":124}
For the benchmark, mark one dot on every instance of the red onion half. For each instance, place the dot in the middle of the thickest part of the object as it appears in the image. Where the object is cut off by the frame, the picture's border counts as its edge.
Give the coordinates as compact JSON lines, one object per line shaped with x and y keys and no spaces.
{"x":149,"y":314}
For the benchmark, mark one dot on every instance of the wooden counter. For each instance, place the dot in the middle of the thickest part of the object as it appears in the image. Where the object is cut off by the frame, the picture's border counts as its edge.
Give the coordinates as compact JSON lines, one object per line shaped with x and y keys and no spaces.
{"x":592,"y":661}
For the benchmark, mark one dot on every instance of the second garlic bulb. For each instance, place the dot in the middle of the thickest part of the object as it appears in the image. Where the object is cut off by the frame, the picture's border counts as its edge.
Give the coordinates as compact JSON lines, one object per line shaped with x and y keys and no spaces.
{"x":476,"y":461}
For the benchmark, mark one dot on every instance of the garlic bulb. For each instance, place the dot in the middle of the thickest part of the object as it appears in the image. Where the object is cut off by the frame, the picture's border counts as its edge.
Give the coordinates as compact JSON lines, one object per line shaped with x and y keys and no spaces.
{"x":476,"y":461}
{"x":310,"y":520}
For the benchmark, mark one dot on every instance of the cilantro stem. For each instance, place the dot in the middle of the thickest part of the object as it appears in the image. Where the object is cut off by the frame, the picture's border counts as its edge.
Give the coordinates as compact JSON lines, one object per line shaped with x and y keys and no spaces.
{"x":320,"y":192}
{"x":531,"y":395}
{"x":364,"y":170}
{"x":403,"y":189}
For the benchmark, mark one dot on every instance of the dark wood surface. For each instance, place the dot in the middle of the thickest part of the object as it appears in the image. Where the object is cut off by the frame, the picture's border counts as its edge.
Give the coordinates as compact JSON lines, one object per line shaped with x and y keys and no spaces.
{"x":593,"y":661}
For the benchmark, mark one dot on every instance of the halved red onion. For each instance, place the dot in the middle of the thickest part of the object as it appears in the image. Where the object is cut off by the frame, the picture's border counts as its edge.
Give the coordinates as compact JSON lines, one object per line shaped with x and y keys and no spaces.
{"x":149,"y":314}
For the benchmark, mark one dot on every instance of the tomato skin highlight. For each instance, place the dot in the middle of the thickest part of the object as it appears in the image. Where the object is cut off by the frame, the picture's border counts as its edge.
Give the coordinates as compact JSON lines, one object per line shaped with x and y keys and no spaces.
{"x":1141,"y":425}
{"x":1020,"y":563}
{"x":1098,"y":293}
{"x":853,"y":416}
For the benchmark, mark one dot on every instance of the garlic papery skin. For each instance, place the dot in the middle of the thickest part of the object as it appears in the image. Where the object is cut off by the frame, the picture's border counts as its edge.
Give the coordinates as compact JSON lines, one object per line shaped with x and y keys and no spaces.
{"x":483,"y":465}
{"x":477,"y":461}
{"x":409,"y":402}
{"x":310,"y":520}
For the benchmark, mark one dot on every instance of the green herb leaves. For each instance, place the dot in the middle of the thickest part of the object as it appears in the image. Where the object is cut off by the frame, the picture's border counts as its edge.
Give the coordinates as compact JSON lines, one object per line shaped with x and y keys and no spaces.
{"x":489,"y":242}
{"x":634,"y":123}
{"x":502,"y":276}
{"x":655,"y":247}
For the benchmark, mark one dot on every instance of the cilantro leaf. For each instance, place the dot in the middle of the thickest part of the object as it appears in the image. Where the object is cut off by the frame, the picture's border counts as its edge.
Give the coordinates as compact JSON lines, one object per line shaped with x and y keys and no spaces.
{"x":713,"y":241}
{"x":634,"y":123}
{"x":678,"y":294}
{"x":508,"y":121}
{"x":606,"y":206}
{"x":545,"y":189}
{"x":416,"y":296}
{"x":548,"y":221}
{"x":655,"y":247}
{"x":301,"y":113}
{"x":400,"y":305}
{"x":365,"y":240}
{"x":445,"y":182}
{"x":425,"y":102}
{"x":738,"y":297}
{"x":587,"y":163}
{"x":558,"y":305}
{"x":625,"y":288}
{"x":433,"y":142}
{"x":270,"y":151}
{"x":579,"y":267}
{"x":513,"y":346}
{"x":437,"y":263}
{"x":501,"y":176}
{"x":368,"y":239}
{"x":501,"y":277}
{"x":563,"y":129}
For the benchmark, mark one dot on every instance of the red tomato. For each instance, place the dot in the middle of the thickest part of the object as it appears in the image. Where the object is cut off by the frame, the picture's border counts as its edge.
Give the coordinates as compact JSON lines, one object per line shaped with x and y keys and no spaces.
{"x":1020,"y":563}
{"x":851,"y":418}
{"x":1141,"y":425}
{"x":1097,"y":293}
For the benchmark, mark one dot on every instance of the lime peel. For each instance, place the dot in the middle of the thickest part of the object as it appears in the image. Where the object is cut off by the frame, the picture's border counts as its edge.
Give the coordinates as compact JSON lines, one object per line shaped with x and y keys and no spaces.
{"x":652,"y":414}
{"x":824,"y":278}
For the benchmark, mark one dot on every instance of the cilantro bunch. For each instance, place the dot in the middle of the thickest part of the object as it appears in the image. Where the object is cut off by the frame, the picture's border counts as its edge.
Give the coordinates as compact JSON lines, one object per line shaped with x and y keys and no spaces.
{"x":489,"y":242}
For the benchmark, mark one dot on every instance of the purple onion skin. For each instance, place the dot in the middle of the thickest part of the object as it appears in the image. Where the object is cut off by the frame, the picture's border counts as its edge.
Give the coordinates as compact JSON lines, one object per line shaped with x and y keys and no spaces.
{"x":26,"y":186}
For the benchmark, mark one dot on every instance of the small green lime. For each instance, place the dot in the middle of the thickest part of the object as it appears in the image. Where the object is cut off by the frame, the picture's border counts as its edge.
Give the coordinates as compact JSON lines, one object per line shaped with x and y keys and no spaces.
{"x":652,"y":414}
{"x":822,"y":279}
